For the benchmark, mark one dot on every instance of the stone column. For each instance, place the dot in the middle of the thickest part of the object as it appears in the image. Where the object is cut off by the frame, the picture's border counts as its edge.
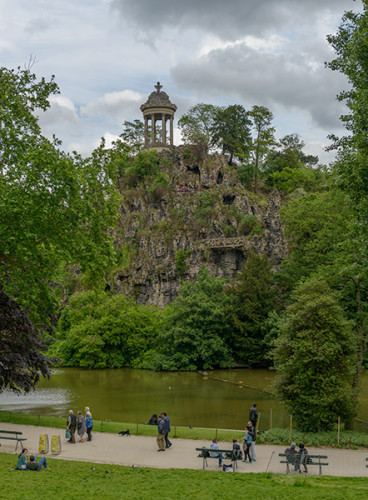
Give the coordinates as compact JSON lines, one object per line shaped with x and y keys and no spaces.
{"x":146,"y":130}
{"x":153,"y":138}
{"x":163,"y":136}
{"x":171,"y":130}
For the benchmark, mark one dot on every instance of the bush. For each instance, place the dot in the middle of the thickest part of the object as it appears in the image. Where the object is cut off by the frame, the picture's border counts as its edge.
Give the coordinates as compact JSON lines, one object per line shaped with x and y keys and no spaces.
{"x":105,"y":331}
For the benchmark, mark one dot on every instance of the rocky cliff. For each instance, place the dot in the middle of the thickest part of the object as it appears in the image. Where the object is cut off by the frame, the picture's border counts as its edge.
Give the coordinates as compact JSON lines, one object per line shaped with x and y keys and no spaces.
{"x":202,"y":216}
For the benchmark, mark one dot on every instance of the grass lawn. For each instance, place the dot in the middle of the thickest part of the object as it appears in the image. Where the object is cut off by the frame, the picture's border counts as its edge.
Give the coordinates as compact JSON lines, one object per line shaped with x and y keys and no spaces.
{"x":75,"y":480}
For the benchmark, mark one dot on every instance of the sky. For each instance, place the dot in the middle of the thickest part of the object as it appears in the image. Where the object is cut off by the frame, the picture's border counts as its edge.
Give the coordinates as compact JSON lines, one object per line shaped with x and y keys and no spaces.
{"x":107,"y":55}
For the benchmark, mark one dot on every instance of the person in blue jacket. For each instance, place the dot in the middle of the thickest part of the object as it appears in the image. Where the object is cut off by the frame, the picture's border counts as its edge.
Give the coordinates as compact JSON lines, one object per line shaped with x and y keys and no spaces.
{"x":168,"y":443}
{"x":89,"y":425}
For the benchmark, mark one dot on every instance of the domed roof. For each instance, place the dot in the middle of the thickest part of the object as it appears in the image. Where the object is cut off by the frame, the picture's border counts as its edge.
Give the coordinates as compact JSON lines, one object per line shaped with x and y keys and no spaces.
{"x":158,"y":99}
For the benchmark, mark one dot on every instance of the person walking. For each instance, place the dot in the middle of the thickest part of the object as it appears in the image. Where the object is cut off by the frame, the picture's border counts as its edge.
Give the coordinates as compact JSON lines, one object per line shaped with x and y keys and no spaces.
{"x":81,"y":426}
{"x":89,"y":425}
{"x":168,"y":443}
{"x":303,"y":452}
{"x":71,"y":425}
{"x":161,"y":428}
{"x":87,"y":410}
{"x":253,"y":415}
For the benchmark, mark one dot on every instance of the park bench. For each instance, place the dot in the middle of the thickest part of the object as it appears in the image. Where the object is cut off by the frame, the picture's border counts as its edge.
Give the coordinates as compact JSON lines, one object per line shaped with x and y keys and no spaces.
{"x":13,"y":436}
{"x":205,"y":453}
{"x":294,"y":460}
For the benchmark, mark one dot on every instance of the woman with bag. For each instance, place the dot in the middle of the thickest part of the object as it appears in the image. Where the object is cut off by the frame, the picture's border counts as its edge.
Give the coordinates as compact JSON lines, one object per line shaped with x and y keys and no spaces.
{"x":81,"y":426}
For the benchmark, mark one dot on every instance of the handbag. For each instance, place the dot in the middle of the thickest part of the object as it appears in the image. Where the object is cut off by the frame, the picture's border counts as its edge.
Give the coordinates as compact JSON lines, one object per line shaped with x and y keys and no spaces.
{"x":68,"y":434}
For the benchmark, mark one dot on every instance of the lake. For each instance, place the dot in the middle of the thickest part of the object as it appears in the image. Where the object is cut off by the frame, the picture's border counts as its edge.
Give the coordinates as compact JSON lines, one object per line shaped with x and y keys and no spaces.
{"x":129,"y":395}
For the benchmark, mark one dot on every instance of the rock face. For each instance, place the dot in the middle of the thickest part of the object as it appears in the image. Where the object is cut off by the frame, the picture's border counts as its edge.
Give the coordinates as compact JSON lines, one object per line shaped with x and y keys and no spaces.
{"x":204,"y":217}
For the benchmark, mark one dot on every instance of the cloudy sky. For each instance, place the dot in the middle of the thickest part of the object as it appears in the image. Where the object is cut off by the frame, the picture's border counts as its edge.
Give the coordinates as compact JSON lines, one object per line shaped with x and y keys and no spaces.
{"x":106,"y":56}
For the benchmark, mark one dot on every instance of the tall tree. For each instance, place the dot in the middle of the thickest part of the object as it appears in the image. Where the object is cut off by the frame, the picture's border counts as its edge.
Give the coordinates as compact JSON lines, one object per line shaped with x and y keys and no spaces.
{"x":252,"y":299}
{"x":264,"y":138}
{"x":196,"y":125}
{"x":350,"y":170}
{"x":197,"y":328}
{"x":315,"y":358}
{"x":350,"y":44}
{"x":231,"y":131}
{"x":54,"y":207}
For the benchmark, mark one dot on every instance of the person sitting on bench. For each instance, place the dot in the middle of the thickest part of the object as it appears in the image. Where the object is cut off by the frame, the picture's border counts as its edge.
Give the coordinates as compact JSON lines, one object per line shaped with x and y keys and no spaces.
{"x":214,"y":446}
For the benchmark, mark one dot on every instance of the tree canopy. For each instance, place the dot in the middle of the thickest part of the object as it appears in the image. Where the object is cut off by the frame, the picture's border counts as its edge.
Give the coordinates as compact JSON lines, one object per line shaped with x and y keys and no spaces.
{"x":54,"y":208}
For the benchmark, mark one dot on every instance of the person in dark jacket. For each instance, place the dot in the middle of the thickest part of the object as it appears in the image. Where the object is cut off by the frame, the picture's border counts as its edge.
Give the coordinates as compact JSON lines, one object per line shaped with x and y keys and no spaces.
{"x":71,"y":425}
{"x":32,"y":464}
{"x":253,"y":415}
{"x":303,"y":452}
{"x":168,"y":443}
{"x":161,"y":428}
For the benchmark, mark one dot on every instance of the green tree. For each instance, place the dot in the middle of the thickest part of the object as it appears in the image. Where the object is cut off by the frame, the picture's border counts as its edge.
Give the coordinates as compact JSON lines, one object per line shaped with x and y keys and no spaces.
{"x":264,"y":138}
{"x":231,"y":131}
{"x":315,"y":358}
{"x":133,"y":134}
{"x":350,"y":45}
{"x":54,"y":208}
{"x":104,"y":331}
{"x":196,"y":328}
{"x":324,"y":238}
{"x":252,"y":299}
{"x":196,"y":125}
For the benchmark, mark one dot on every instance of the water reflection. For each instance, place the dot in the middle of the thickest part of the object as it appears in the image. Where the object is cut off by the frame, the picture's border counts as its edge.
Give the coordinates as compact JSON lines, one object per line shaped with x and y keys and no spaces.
{"x":134,"y":395}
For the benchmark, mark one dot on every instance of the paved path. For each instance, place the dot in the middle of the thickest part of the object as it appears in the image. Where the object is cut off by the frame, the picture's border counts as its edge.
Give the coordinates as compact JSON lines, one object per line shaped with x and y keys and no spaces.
{"x":142,"y":451}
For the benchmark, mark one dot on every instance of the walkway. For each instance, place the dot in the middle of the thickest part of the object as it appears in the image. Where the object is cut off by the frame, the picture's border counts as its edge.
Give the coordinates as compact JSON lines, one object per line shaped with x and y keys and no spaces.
{"x":142,"y":451}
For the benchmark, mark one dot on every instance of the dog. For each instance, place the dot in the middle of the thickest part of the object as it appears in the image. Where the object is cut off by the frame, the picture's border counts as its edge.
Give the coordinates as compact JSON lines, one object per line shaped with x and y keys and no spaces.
{"x":124,"y":433}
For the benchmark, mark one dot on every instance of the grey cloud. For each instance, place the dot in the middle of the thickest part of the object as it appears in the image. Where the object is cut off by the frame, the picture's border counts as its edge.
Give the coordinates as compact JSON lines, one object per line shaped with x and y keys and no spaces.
{"x":268,"y":79}
{"x":230,"y":19}
{"x":38,"y":25}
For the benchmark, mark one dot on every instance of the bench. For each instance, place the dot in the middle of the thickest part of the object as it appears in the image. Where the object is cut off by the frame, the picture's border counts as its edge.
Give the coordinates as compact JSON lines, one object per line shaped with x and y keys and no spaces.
{"x":294,"y":460}
{"x":13,"y":436}
{"x":205,"y":453}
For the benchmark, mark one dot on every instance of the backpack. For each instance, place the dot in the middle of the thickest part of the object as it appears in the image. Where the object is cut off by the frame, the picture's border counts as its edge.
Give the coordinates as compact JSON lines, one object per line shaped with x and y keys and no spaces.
{"x":237,"y":453}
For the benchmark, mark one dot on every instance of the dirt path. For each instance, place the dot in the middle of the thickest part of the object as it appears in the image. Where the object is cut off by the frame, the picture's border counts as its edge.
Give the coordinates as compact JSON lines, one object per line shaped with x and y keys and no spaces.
{"x":141,"y":451}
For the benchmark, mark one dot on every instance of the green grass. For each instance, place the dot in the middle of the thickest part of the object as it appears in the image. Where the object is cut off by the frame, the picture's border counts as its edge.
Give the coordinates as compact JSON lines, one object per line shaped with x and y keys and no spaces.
{"x":74,"y":480}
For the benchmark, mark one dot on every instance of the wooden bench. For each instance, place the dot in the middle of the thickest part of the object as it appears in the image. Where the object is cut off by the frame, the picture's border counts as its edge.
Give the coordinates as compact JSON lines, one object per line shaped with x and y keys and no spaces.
{"x":294,"y":460}
{"x":13,"y":436}
{"x":226,"y":454}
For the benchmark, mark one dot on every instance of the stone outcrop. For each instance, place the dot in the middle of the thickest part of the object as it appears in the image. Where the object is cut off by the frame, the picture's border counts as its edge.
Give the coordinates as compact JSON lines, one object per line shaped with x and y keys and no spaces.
{"x":204,"y":217}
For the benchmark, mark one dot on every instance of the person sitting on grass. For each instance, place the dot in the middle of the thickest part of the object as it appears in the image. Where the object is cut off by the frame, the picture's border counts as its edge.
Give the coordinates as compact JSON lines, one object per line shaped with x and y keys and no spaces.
{"x":214,"y":446}
{"x":34,"y":465}
{"x":22,"y":460}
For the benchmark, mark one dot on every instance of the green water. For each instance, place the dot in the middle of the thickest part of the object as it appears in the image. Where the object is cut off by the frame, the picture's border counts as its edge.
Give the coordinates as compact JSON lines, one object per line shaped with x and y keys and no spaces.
{"x":129,"y":395}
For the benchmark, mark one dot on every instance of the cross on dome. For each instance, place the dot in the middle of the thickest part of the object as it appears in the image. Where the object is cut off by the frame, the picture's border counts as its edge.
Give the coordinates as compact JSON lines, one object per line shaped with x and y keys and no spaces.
{"x":158,"y":86}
